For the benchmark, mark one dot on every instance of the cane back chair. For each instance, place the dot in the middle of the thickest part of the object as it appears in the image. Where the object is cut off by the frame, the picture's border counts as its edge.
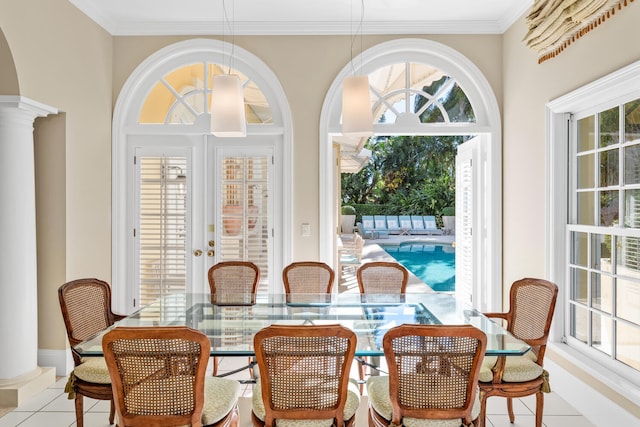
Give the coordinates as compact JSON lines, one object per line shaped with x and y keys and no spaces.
{"x":308,"y":277}
{"x":304,"y":377}
{"x":379,"y":277}
{"x":86,"y":310}
{"x":433,"y":377}
{"x":234,"y":282}
{"x":158,"y":378}
{"x":382,"y":277}
{"x":532,"y":303}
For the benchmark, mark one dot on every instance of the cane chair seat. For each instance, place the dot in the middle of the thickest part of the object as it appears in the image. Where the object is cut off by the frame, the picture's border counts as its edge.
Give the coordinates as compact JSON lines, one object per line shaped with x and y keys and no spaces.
{"x":158,"y":378}
{"x":516,"y":369}
{"x":304,"y":377}
{"x":433,"y":377}
{"x":350,"y":408}
{"x":308,"y":277}
{"x":379,"y":399}
{"x":93,"y":370}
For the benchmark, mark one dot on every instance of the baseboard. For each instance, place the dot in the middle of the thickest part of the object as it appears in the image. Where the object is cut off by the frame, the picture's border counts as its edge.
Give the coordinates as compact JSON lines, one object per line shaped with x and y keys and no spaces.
{"x":599,"y":403}
{"x":61,"y":360}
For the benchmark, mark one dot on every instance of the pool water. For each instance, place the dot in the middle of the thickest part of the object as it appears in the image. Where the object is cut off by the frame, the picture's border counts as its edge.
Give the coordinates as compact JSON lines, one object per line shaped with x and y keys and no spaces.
{"x":434,"y":264}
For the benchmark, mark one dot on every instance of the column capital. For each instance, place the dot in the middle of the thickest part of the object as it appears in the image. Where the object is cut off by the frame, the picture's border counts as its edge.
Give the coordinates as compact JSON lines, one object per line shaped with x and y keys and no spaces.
{"x":38,"y":109}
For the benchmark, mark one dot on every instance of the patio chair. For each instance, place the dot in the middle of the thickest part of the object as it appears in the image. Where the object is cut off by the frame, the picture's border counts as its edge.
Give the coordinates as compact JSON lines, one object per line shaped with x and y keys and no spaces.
{"x":393,"y":225}
{"x":430,"y":225}
{"x":364,"y":232}
{"x":304,"y":377}
{"x":532,"y":302}
{"x":351,"y":255}
{"x":233,"y":282}
{"x":158,"y":377}
{"x":433,"y":377}
{"x":308,"y":277}
{"x":405,"y":224}
{"x":417,"y":225}
{"x":380,"y":227}
{"x":86,"y":310}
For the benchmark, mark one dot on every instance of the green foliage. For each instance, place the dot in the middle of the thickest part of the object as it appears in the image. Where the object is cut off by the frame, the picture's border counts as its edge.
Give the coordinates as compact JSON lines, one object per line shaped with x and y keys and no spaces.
{"x":448,"y":211}
{"x":348,"y":210}
{"x":412,"y":174}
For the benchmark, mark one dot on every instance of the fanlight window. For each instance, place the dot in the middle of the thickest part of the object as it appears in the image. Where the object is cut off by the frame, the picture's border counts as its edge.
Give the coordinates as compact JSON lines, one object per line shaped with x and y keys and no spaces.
{"x":184,"y":94}
{"x":408,"y":93}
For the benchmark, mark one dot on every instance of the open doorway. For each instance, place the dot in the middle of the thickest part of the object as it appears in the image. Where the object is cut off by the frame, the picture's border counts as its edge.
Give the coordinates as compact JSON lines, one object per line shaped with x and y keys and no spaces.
{"x":424,"y":89}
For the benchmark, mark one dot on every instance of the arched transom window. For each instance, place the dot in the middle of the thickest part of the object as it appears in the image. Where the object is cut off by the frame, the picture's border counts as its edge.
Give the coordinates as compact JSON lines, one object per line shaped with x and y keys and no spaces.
{"x":184,"y":94}
{"x":411,"y":93}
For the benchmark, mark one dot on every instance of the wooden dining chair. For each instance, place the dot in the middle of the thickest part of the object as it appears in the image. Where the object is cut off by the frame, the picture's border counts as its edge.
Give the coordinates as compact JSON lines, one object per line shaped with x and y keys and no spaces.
{"x":86,"y":310}
{"x":233,"y":282}
{"x":379,"y":278}
{"x":158,"y":378}
{"x":382,"y":277}
{"x":532,"y":303}
{"x":433,"y":377}
{"x":304,"y":376}
{"x":308,"y":277}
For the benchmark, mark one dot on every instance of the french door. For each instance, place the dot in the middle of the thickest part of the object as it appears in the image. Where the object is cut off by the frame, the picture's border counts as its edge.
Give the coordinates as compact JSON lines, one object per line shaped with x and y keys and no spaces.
{"x":196,"y":201}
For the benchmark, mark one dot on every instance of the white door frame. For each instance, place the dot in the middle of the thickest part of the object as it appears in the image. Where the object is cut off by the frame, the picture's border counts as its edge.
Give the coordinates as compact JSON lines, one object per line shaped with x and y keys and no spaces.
{"x":488,"y":124}
{"x":125,"y":123}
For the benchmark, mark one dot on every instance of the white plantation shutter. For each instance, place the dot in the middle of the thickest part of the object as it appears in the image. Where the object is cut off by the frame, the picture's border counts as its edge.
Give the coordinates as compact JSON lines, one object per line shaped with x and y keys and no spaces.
{"x":464,"y":222}
{"x":244,"y":229}
{"x":161,"y":232}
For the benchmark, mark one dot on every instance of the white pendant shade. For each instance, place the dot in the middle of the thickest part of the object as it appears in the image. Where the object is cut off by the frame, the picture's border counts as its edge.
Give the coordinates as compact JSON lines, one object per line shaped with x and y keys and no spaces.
{"x":227,"y":107}
{"x":357,"y":119}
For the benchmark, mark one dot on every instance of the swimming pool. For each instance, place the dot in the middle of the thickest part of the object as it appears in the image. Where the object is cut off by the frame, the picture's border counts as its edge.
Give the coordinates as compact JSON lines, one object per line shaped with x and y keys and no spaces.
{"x":434,"y":264}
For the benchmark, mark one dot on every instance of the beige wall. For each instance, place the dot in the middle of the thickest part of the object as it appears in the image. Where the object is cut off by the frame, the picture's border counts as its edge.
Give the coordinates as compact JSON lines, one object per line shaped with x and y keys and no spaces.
{"x":63,"y":59}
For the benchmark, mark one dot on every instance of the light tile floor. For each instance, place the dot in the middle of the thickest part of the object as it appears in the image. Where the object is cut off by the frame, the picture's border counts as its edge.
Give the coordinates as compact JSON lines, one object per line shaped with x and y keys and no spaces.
{"x":51,"y":408}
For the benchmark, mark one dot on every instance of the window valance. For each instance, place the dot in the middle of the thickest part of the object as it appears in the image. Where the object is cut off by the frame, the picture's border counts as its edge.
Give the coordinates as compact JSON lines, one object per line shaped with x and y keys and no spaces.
{"x":555,"y":24}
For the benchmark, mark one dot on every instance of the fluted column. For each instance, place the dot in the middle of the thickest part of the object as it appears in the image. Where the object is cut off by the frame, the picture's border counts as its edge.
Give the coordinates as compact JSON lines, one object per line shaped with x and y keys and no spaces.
{"x":18,"y":269}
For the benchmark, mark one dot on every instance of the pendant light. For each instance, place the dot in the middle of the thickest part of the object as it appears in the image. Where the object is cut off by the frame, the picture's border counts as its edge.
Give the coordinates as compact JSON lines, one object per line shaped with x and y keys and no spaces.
{"x":227,"y":99}
{"x":357,"y":118}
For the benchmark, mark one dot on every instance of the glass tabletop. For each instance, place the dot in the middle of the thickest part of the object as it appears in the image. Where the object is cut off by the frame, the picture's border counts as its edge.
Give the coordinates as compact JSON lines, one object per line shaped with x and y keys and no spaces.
{"x":231,"y":321}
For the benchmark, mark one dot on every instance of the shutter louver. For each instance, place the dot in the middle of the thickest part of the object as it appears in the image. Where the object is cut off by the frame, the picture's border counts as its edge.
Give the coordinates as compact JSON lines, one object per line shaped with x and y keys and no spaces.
{"x":162,"y":228}
{"x":245,"y":226}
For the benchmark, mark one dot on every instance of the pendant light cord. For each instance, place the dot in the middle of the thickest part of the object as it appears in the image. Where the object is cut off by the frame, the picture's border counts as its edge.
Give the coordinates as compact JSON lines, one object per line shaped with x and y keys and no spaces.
{"x":233,"y":37}
{"x":354,"y":36}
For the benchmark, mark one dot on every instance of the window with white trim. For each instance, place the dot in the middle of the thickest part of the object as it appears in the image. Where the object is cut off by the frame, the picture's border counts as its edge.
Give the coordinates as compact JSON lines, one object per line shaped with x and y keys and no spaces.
{"x":603,"y":234}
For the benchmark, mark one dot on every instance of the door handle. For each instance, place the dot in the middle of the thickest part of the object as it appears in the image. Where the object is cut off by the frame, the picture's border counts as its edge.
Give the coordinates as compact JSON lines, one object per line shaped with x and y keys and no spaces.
{"x":197,"y":252}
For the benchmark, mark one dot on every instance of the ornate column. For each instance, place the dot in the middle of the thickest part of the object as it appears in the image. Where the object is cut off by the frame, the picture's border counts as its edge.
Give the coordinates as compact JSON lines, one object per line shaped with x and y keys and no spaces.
{"x":20,"y":375}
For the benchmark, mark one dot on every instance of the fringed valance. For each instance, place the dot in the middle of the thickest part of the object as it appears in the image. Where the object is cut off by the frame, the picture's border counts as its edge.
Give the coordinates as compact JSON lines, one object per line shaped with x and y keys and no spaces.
{"x":555,"y":24}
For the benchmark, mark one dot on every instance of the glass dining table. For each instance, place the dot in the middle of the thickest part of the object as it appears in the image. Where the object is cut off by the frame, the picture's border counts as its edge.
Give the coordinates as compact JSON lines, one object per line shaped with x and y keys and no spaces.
{"x":231,"y":321}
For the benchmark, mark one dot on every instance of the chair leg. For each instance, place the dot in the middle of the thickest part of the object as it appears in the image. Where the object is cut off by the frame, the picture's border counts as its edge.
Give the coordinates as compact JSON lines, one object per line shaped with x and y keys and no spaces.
{"x":480,"y":422}
{"x":539,"y":408}
{"x":79,"y":410}
{"x":215,"y":366}
{"x":112,"y":412}
{"x":512,"y":416}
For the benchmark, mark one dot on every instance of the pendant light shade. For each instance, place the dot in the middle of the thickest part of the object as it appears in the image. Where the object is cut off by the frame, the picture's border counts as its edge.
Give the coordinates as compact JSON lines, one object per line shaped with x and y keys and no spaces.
{"x":227,"y":107}
{"x":357,"y":119}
